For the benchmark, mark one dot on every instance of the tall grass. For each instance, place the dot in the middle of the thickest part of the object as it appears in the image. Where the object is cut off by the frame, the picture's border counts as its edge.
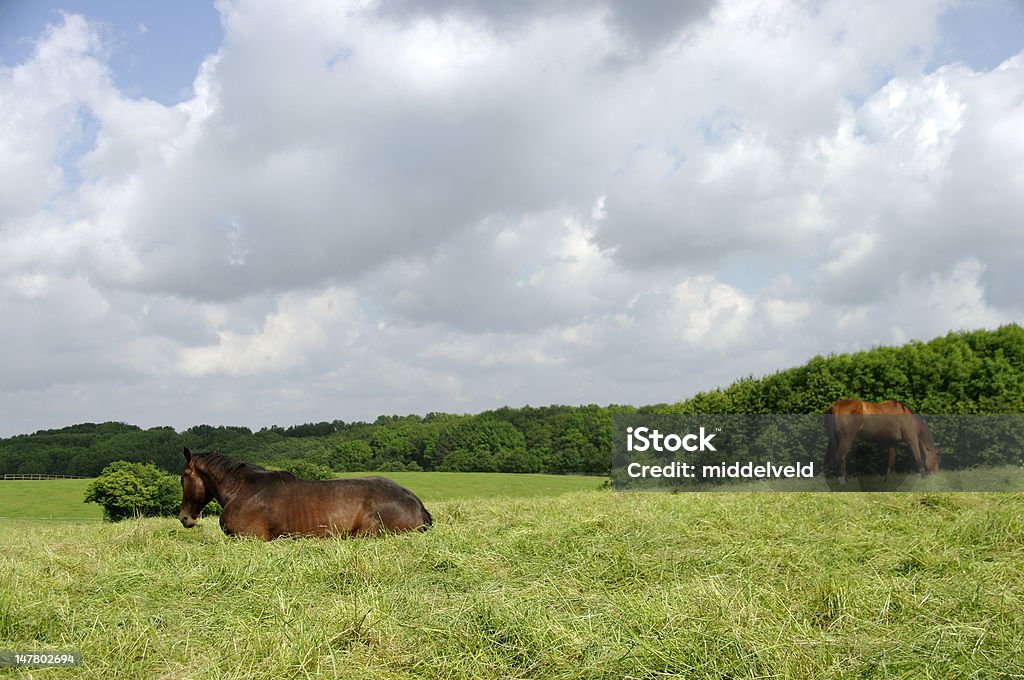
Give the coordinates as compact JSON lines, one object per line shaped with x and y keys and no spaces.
{"x":591,"y":584}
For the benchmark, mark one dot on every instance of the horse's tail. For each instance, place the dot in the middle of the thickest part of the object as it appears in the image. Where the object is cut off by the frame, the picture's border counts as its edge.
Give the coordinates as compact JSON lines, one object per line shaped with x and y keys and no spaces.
{"x":428,"y":520}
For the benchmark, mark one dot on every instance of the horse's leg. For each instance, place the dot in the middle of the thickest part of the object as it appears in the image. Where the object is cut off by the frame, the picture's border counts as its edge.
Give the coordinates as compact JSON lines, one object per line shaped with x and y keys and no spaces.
{"x":830,"y":457}
{"x":234,"y":524}
{"x":892,"y":463}
{"x":227,"y":521}
{"x":830,"y":450}
{"x":847,"y":430}
{"x":369,"y":525}
{"x":842,"y":451}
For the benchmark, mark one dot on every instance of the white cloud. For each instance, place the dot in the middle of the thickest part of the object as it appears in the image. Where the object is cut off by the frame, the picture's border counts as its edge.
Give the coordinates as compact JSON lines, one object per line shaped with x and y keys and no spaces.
{"x":850,"y":267}
{"x":786,"y":312}
{"x":702,"y":311}
{"x":301,"y":326}
{"x":377,"y":207}
{"x":953,"y":299}
{"x":40,"y":106}
{"x":946,"y":300}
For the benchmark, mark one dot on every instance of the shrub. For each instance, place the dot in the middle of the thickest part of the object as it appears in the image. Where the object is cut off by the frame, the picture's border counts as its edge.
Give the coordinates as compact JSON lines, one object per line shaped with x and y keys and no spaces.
{"x":399,"y":466}
{"x":126,"y":489}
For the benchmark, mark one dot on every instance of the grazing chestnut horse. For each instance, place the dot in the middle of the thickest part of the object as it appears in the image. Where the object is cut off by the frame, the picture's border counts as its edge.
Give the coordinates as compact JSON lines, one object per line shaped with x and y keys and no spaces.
{"x":887,"y":423}
{"x":268,"y":504}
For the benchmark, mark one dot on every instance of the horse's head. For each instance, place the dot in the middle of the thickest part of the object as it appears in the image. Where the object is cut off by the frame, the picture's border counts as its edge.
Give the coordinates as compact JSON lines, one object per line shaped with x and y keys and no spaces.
{"x":931,"y":459}
{"x":195,"y":494}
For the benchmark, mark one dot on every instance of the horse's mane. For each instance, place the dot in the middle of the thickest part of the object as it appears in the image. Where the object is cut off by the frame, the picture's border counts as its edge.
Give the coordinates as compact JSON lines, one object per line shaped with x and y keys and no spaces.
{"x":219,"y":464}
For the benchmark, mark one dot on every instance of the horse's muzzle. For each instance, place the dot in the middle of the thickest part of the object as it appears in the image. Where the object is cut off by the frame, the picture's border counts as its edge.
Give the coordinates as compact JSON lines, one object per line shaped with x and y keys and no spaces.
{"x":187,"y":522}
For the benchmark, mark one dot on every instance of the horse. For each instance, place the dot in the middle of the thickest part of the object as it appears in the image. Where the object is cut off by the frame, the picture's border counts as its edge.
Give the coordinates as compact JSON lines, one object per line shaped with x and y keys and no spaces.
{"x":269,"y":503}
{"x":888,"y":423}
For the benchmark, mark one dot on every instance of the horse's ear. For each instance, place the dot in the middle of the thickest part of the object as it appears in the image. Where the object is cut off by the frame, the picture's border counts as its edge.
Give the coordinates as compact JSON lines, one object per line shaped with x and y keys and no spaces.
{"x":188,"y":454}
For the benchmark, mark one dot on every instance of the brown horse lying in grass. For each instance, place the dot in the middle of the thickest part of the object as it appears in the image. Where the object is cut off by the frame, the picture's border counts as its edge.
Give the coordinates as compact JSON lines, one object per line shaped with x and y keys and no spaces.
{"x":887,"y":423}
{"x":268,"y":504}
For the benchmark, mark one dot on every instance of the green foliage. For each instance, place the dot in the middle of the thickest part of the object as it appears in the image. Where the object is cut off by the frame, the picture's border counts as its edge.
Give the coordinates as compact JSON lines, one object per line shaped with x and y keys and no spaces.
{"x":482,"y":444}
{"x":963,"y":372}
{"x":280,"y":452}
{"x":976,"y":372}
{"x":126,"y":489}
{"x":399,"y":466}
{"x":307,"y":470}
{"x":398,"y":441}
{"x":352,"y":454}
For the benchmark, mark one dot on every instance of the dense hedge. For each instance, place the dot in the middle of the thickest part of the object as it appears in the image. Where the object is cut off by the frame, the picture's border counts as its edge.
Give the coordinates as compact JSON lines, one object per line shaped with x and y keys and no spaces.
{"x":973,"y":372}
{"x":968,"y":372}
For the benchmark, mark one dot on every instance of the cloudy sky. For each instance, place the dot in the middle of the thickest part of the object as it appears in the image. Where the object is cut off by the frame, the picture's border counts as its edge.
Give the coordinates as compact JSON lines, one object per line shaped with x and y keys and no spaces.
{"x":261,"y":213}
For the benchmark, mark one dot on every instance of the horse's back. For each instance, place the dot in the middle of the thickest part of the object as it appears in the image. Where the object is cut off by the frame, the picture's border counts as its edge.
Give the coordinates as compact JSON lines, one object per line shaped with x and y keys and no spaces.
{"x":861,"y":407}
{"x":851,"y":407}
{"x":358,"y":506}
{"x":891,"y":407}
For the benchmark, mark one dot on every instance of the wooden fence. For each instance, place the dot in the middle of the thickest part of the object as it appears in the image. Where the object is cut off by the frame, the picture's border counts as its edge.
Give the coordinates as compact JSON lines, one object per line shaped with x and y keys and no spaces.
{"x":10,"y":477}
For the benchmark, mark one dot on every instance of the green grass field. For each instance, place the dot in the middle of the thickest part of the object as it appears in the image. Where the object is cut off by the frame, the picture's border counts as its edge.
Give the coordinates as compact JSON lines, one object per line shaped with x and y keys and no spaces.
{"x":434,"y":486}
{"x":588,"y":584}
{"x":61,"y":499}
{"x":52,"y":499}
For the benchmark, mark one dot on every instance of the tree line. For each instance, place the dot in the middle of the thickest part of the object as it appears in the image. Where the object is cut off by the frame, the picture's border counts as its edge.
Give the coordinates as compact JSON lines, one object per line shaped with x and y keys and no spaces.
{"x":552,"y":439}
{"x":975,"y":372}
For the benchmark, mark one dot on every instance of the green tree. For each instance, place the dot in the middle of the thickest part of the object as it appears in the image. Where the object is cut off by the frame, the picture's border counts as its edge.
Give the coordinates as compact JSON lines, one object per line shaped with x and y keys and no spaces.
{"x":308,"y":469}
{"x":126,"y":489}
{"x":402,"y":442}
{"x":482,"y":444}
{"x":351,"y":455}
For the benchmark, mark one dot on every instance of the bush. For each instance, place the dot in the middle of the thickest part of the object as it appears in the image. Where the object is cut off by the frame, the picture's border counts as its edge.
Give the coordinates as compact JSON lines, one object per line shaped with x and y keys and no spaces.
{"x":399,"y":466}
{"x":126,"y":489}
{"x":308,"y":470}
